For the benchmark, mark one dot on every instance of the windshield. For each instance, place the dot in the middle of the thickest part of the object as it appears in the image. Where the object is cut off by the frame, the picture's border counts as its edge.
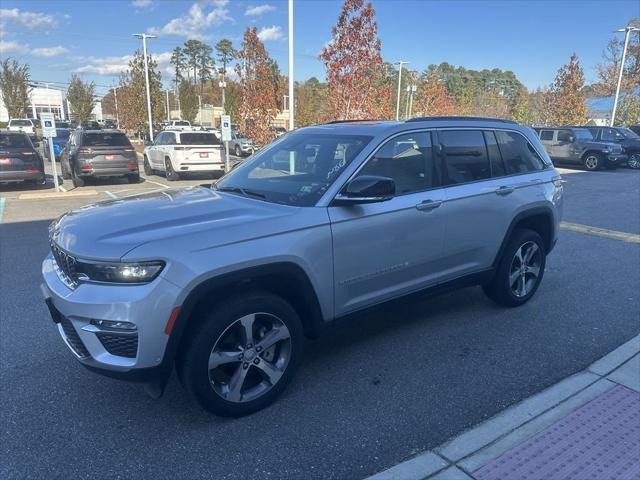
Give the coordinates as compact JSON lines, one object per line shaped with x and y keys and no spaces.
{"x":626,"y":133}
{"x":582,"y":134}
{"x":181,"y":124}
{"x":105,"y":140}
{"x":199,"y":139}
{"x":21,"y":123}
{"x":295,"y":170}
{"x":14,"y":141}
{"x":62,"y":124}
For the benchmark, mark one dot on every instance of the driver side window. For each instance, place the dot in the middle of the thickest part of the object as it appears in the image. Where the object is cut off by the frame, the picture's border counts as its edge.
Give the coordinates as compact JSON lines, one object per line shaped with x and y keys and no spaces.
{"x":408,"y":160}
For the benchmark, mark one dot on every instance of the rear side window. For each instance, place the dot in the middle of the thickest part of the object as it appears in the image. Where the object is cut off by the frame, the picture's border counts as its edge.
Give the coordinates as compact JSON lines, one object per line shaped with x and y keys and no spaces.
{"x":169,"y":138}
{"x":181,"y":123}
{"x":199,"y":139}
{"x":465,"y":156}
{"x":495,"y":159}
{"x":14,"y":141}
{"x":564,"y":136}
{"x":546,"y":135}
{"x":21,"y":123}
{"x":518,"y":154}
{"x":105,"y":140}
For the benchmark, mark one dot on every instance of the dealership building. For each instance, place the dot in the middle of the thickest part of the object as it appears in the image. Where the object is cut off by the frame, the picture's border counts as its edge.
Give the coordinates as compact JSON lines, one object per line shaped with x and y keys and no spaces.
{"x":47,"y":100}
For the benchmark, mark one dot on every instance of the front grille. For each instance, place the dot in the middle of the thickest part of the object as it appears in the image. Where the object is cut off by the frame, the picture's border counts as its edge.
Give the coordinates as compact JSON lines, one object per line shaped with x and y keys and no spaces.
{"x":65,"y":265}
{"x":121,"y":345}
{"x":73,"y":338}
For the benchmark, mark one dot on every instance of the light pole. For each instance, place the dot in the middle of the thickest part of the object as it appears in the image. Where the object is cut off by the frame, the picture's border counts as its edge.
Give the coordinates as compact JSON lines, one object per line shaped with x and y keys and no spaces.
{"x":401,"y":62}
{"x":627,"y":31}
{"x":291,"y":100}
{"x":168,"y":109}
{"x":115,"y":97}
{"x":144,"y":37}
{"x":414,"y":88}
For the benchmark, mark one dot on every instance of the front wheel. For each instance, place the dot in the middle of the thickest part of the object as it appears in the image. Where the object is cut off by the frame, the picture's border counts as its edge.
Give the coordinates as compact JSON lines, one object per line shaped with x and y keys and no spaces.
{"x":242,"y":355}
{"x":634,"y":161}
{"x":520,"y":270}
{"x":593,"y":161}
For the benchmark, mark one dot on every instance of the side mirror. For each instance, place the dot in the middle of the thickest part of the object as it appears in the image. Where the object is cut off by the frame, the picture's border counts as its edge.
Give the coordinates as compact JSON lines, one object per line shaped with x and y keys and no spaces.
{"x":571,"y":138}
{"x":366,"y":189}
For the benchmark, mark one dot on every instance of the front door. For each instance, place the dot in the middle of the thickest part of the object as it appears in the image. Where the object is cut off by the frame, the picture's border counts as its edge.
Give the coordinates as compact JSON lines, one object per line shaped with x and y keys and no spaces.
{"x":563,"y":147}
{"x":386,"y":249}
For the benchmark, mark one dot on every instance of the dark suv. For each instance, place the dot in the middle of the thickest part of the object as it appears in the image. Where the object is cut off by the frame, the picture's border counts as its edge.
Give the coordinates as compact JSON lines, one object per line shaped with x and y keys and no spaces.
{"x":576,"y":145}
{"x":99,"y":153}
{"x":19,"y":160}
{"x":628,"y":139}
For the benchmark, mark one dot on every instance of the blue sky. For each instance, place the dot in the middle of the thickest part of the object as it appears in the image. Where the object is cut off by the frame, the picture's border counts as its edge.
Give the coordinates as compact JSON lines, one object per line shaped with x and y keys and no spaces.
{"x":93,"y":37}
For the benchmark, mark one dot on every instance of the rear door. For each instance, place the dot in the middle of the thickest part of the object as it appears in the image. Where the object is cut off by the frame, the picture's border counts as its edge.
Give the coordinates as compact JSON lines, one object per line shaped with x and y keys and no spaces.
{"x":107,"y":150}
{"x":155,"y":152}
{"x":563,"y":147}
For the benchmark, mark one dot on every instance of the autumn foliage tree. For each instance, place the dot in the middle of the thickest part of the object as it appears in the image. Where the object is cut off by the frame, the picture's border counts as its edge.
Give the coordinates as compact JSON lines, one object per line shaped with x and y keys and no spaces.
{"x":357,"y":84}
{"x":432,"y":98}
{"x":259,"y":86}
{"x":132,"y":103}
{"x":567,"y":90}
{"x":14,"y":87}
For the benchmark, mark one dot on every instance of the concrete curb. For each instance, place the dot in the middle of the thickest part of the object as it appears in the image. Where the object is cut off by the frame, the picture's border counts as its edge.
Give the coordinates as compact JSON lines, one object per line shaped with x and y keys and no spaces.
{"x":466,"y":453}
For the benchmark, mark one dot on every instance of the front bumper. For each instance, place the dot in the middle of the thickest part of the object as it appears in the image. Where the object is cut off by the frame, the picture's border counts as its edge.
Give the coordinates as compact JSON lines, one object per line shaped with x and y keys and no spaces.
{"x":17,"y":175}
{"x":148,"y":307}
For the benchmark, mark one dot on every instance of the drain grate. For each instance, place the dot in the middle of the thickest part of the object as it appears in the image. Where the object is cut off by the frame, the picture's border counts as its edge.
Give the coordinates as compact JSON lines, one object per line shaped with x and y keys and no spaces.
{"x":598,"y":441}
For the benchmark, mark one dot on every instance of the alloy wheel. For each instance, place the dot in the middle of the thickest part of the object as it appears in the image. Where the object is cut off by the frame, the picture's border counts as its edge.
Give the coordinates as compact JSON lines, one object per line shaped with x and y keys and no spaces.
{"x":591,"y":162}
{"x":249,"y":357}
{"x":525,"y":269}
{"x":634,"y":161}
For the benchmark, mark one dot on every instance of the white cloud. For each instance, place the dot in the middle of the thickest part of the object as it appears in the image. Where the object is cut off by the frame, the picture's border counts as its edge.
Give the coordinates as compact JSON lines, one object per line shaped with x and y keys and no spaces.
{"x":270,"y":33}
{"x":141,"y":3}
{"x":117,"y":65}
{"x":194,"y":23}
{"x":49,"y":51}
{"x":12,"y":47}
{"x":28,"y":20}
{"x":259,"y":10}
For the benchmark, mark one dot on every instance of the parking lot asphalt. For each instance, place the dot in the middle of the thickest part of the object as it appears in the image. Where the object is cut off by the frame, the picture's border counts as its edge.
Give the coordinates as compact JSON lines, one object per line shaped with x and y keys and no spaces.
{"x":396,"y":380}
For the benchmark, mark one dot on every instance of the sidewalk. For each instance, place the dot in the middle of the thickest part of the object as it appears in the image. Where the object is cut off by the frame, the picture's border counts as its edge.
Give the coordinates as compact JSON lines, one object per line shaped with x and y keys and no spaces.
{"x":584,"y":427}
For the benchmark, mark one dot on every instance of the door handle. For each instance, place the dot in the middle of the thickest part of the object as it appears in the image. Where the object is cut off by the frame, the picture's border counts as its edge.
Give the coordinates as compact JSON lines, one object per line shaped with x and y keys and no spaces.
{"x":428,"y":205}
{"x":504,"y":190}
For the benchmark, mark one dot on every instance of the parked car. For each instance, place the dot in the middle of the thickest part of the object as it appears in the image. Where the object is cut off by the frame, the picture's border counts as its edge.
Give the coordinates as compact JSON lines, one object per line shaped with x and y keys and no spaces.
{"x":179,"y":152}
{"x":63,"y":124}
{"x":25,"y":125}
{"x":224,"y":282}
{"x":98,"y":153}
{"x":109,"y":123}
{"x":59,"y":142}
{"x":19,"y":160}
{"x":90,"y":125}
{"x":628,"y":139}
{"x":178,"y":125}
{"x":575,"y":145}
{"x":240,"y":145}
{"x":635,"y":129}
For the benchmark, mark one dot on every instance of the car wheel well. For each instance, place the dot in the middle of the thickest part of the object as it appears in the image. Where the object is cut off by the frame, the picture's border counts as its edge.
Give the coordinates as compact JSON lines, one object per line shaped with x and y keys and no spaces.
{"x":541,"y":224}
{"x":589,"y":152}
{"x":288,"y":281}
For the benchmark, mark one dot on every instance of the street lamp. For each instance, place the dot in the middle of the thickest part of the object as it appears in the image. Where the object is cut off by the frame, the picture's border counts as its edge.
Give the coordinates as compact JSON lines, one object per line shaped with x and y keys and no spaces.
{"x":144,"y":37}
{"x":627,"y":31}
{"x":401,"y":62}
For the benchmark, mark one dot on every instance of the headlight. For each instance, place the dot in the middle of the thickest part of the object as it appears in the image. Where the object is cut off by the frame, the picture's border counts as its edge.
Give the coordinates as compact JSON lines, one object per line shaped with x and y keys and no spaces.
{"x":139,"y":272}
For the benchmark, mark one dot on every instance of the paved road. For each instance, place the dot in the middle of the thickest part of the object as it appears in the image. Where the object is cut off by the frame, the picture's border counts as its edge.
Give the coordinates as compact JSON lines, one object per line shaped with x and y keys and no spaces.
{"x":400,"y":379}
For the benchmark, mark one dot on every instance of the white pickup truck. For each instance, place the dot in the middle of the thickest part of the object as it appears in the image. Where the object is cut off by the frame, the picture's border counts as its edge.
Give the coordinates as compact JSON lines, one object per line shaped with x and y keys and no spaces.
{"x":178,"y":125}
{"x":26,"y":125}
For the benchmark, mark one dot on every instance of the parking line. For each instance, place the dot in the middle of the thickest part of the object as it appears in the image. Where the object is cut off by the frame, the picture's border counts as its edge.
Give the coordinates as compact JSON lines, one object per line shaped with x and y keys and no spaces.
{"x":156,"y":183}
{"x":600,"y":232}
{"x":1,"y":208}
{"x":110,"y":194}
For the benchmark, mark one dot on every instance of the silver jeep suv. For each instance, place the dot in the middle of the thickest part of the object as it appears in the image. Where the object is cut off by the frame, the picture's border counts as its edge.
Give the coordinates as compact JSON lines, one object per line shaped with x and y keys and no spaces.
{"x":225,"y":282}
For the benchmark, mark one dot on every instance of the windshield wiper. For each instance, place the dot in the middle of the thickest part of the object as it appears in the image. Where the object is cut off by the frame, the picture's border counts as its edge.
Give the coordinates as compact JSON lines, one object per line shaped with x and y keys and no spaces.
{"x":241,"y":191}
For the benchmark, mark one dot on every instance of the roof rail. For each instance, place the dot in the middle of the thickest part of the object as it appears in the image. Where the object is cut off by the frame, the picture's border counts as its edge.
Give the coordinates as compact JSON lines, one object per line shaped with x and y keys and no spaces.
{"x":354,"y":120}
{"x":487,"y":119}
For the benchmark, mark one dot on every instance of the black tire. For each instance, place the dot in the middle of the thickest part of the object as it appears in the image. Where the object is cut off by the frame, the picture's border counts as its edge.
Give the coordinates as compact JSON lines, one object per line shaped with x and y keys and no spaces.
{"x":634,"y":161}
{"x":64,"y":171}
{"x":499,"y":289}
{"x":76,"y":179}
{"x":193,"y":360}
{"x":237,"y":151}
{"x":170,"y":173}
{"x":147,"y":167}
{"x":133,"y":178}
{"x":593,"y":161}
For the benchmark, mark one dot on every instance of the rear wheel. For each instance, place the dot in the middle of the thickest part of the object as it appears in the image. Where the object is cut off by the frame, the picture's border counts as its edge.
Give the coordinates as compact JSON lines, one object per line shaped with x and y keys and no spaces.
{"x":65,"y":172}
{"x":76,"y":179}
{"x":242,"y":355}
{"x":170,"y":173}
{"x":634,"y":160}
{"x":520,"y":270}
{"x":147,"y":167}
{"x":593,"y":161}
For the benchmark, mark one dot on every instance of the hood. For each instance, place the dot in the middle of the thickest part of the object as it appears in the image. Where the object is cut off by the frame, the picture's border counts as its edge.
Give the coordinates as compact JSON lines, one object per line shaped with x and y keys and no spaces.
{"x":110,"y":229}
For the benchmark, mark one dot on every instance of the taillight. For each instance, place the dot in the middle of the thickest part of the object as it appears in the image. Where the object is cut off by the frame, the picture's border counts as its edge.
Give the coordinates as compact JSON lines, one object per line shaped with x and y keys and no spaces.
{"x":27,"y":153}
{"x":85,"y":150}
{"x":32,"y":170}
{"x":557,"y":181}
{"x":5,"y":161}
{"x":86,"y":167}
{"x":128,"y":150}
{"x":131,"y":166}
{"x":181,"y":148}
